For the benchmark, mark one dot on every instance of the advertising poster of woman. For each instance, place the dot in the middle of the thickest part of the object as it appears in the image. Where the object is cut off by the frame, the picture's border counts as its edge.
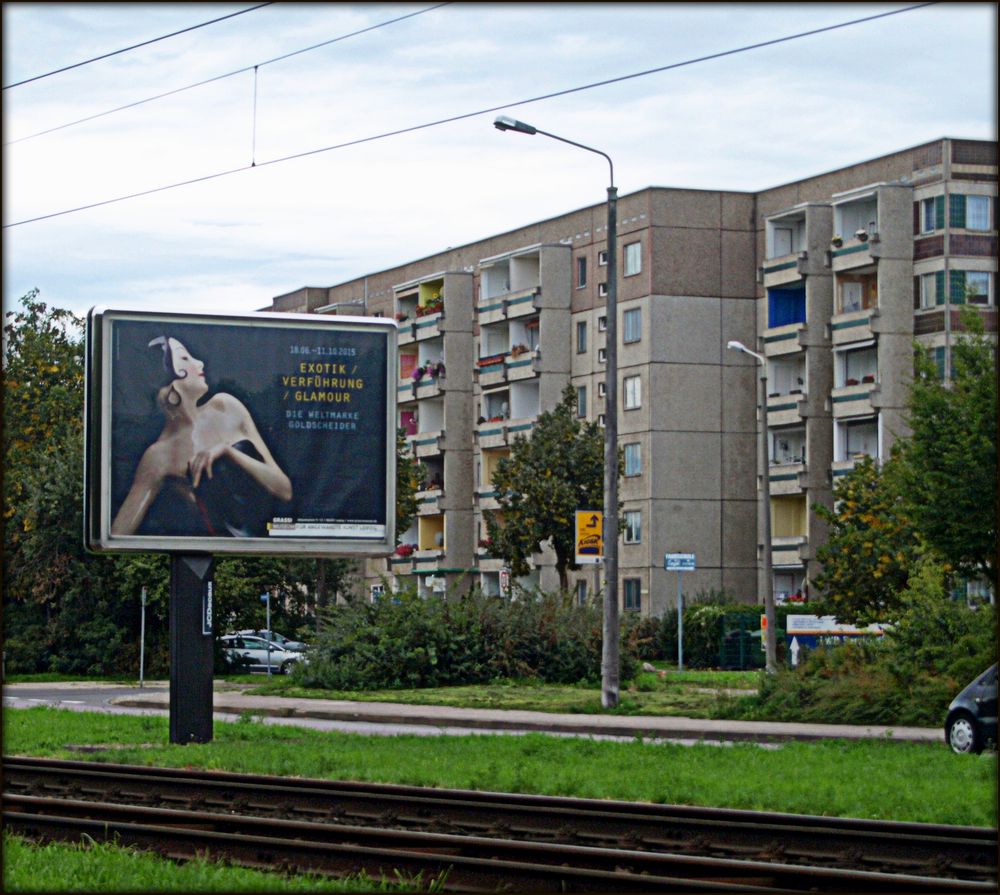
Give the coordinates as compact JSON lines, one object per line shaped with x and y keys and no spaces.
{"x":238,"y":434}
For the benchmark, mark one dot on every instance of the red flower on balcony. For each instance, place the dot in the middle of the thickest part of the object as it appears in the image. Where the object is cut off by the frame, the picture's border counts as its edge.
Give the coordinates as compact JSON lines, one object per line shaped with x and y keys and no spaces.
{"x":405,"y":550}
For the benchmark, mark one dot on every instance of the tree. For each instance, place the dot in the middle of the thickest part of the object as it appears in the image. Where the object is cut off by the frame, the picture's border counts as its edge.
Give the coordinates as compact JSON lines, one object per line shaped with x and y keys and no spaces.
{"x":409,"y":477}
{"x":950,"y":461}
{"x":871,"y":545}
{"x":544,"y":481}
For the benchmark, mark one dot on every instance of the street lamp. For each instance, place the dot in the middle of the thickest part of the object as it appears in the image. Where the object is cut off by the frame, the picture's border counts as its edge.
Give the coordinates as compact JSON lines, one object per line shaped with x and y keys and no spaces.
{"x":770,"y":635}
{"x":610,"y":663}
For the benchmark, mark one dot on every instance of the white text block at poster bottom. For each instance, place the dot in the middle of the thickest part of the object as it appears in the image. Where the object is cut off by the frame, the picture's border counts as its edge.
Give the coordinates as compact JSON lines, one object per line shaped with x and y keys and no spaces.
{"x":326,"y":530}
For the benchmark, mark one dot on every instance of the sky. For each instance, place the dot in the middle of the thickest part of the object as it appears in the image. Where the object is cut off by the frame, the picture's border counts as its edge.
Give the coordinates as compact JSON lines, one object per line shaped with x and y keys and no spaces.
{"x":294,"y":212}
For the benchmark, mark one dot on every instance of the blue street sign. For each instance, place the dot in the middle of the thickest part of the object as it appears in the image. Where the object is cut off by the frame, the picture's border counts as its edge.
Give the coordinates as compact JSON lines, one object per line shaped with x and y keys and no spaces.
{"x":679,"y":562}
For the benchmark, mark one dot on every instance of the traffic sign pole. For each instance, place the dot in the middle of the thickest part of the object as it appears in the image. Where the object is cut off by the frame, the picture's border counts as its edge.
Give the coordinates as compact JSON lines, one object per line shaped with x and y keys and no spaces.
{"x":679,"y":563}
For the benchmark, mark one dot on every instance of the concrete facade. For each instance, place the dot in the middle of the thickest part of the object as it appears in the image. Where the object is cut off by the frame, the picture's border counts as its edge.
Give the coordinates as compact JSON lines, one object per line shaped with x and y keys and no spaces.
{"x":831,"y":278}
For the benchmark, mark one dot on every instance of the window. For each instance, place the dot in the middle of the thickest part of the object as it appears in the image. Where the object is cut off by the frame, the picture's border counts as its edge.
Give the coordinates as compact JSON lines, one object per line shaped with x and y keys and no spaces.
{"x":632,"y":329}
{"x":632,"y":595}
{"x":633,"y":259}
{"x":602,"y":355}
{"x":971,"y":286}
{"x":785,"y":306}
{"x":581,"y":337}
{"x":932,"y":289}
{"x":601,"y":389}
{"x":969,"y":212}
{"x":602,"y":289}
{"x":581,"y":401}
{"x":581,"y":593}
{"x":602,"y":324}
{"x":633,"y":458}
{"x":581,"y":272}
{"x":977,"y":212}
{"x":932,"y":214}
{"x":633,"y":392}
{"x":633,"y":526}
{"x":602,"y":258}
{"x":782,"y":241}
{"x":857,"y":366}
{"x":600,"y":420}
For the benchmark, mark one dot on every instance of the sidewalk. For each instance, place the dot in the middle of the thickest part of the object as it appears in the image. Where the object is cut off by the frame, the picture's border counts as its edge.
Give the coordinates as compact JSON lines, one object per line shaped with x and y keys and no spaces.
{"x":237,"y":703}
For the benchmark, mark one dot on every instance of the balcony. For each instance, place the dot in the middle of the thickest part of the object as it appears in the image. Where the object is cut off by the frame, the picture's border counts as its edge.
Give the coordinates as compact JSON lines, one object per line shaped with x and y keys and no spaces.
{"x":429,"y":501}
{"x":856,"y":326}
{"x":854,"y":398}
{"x":791,"y":550}
{"x":786,"y":478}
{"x":506,"y":307}
{"x":419,"y":309}
{"x":426,"y":444}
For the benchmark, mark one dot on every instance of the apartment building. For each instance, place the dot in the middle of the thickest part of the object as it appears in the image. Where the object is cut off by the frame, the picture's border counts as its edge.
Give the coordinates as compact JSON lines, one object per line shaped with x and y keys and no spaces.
{"x":831,"y":278}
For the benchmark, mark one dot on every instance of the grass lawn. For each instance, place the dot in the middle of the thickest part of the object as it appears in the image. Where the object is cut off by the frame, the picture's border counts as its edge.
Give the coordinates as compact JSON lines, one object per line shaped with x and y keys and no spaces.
{"x":99,"y":867}
{"x":880,"y":779}
{"x":692,"y":694}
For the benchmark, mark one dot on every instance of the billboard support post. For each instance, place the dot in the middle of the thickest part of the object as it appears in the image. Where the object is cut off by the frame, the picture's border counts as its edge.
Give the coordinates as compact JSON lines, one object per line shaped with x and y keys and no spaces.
{"x":191,"y":648}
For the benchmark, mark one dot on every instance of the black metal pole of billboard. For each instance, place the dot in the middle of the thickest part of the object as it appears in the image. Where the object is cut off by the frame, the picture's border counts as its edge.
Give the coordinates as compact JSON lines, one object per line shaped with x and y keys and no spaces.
{"x":191,"y":648}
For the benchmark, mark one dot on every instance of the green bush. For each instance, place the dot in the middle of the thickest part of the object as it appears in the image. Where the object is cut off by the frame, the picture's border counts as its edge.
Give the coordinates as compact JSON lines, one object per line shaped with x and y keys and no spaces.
{"x":405,"y":641}
{"x":935,"y":647}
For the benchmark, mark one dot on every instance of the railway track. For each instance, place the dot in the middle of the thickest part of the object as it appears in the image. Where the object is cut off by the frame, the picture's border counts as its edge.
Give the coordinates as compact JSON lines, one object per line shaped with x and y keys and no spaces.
{"x":486,"y":841}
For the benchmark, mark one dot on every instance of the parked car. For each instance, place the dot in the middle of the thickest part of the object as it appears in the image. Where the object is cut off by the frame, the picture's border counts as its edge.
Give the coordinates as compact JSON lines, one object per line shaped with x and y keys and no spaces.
{"x":251,"y":652}
{"x":971,"y":723}
{"x":278,"y":640}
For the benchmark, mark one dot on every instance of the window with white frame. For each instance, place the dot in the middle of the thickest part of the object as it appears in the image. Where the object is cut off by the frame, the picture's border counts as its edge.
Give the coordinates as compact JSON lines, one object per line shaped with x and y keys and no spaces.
{"x":633,"y":392}
{"x":977,"y":213}
{"x":782,"y":239}
{"x":977,"y":287}
{"x":930,"y":290}
{"x":601,"y":389}
{"x":602,"y":355}
{"x":633,"y":259}
{"x":581,"y":271}
{"x":633,"y":458}
{"x":788,"y":446}
{"x":632,"y":595}
{"x":929,"y":214}
{"x":581,"y":592}
{"x":633,"y":526}
{"x":632,"y":325}
{"x":857,"y":437}
{"x":581,"y":337}
{"x":600,"y":420}
{"x":602,"y":289}
{"x":581,"y":401}
{"x":602,"y":323}
{"x":602,"y":258}
{"x":858,"y":366}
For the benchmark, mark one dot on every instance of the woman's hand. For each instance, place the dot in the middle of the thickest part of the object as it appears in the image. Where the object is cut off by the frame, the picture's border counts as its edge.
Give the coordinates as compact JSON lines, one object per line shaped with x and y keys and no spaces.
{"x":201,"y":463}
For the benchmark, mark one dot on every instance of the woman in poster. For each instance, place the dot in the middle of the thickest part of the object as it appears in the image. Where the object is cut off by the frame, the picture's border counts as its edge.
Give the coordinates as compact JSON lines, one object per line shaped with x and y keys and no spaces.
{"x":209,"y":472}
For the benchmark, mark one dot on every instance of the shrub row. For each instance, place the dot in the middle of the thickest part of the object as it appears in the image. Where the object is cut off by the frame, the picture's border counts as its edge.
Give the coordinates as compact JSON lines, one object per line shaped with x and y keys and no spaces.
{"x":404,"y":641}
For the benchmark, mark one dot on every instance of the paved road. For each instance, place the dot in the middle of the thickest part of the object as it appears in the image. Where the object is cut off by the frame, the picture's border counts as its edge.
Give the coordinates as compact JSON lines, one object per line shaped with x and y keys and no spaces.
{"x":231,"y":702}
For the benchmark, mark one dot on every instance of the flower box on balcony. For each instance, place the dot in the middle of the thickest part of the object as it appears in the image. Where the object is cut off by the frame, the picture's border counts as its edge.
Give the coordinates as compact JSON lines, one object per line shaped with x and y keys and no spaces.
{"x":491,"y":360}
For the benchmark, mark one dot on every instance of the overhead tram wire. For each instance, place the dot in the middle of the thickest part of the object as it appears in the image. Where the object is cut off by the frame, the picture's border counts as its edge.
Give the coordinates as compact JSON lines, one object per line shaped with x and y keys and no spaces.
{"x":465,"y":115}
{"x":212,"y":80}
{"x":145,"y":43}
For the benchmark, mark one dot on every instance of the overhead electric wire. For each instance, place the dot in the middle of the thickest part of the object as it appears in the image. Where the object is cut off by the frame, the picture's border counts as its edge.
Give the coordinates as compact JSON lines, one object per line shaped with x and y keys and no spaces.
{"x":222,"y":77}
{"x":465,"y":115}
{"x":145,"y":43}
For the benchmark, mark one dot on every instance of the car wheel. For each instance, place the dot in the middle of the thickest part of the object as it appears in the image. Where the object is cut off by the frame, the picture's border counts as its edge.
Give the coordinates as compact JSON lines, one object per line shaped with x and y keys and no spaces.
{"x":286,"y":667}
{"x":963,"y":734}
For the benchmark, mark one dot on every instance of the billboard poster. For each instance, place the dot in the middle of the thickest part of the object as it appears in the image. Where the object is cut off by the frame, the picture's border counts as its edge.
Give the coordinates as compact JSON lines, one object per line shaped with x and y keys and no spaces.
{"x":264,"y":433}
{"x":589,"y":527}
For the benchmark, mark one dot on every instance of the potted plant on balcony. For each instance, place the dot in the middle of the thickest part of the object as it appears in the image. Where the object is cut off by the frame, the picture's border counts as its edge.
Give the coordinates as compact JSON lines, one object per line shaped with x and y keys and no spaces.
{"x":404,"y":550}
{"x":418,"y":374}
{"x":837,"y":241}
{"x":518,"y":349}
{"x":861,"y":235}
{"x":438,"y":368}
{"x":401,"y":316}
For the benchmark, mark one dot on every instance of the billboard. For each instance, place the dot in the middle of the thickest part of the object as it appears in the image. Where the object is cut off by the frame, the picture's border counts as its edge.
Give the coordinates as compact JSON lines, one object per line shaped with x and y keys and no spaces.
{"x":226,"y":433}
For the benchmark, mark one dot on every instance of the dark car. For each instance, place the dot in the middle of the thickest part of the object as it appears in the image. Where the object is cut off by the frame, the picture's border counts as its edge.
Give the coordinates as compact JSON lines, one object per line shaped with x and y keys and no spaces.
{"x":971,"y":723}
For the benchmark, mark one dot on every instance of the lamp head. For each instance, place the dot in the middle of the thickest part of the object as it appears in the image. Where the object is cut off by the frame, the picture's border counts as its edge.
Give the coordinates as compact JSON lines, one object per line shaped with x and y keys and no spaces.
{"x":736,"y":346}
{"x":505,"y":123}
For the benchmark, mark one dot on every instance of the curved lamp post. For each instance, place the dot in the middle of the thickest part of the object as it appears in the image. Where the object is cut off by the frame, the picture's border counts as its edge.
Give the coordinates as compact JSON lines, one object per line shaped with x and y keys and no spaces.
{"x":770,"y":636}
{"x":610,"y":663}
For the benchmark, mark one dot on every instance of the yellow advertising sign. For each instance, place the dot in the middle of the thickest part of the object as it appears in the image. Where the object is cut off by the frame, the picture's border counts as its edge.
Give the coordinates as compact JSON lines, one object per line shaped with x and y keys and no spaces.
{"x":589,"y":536}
